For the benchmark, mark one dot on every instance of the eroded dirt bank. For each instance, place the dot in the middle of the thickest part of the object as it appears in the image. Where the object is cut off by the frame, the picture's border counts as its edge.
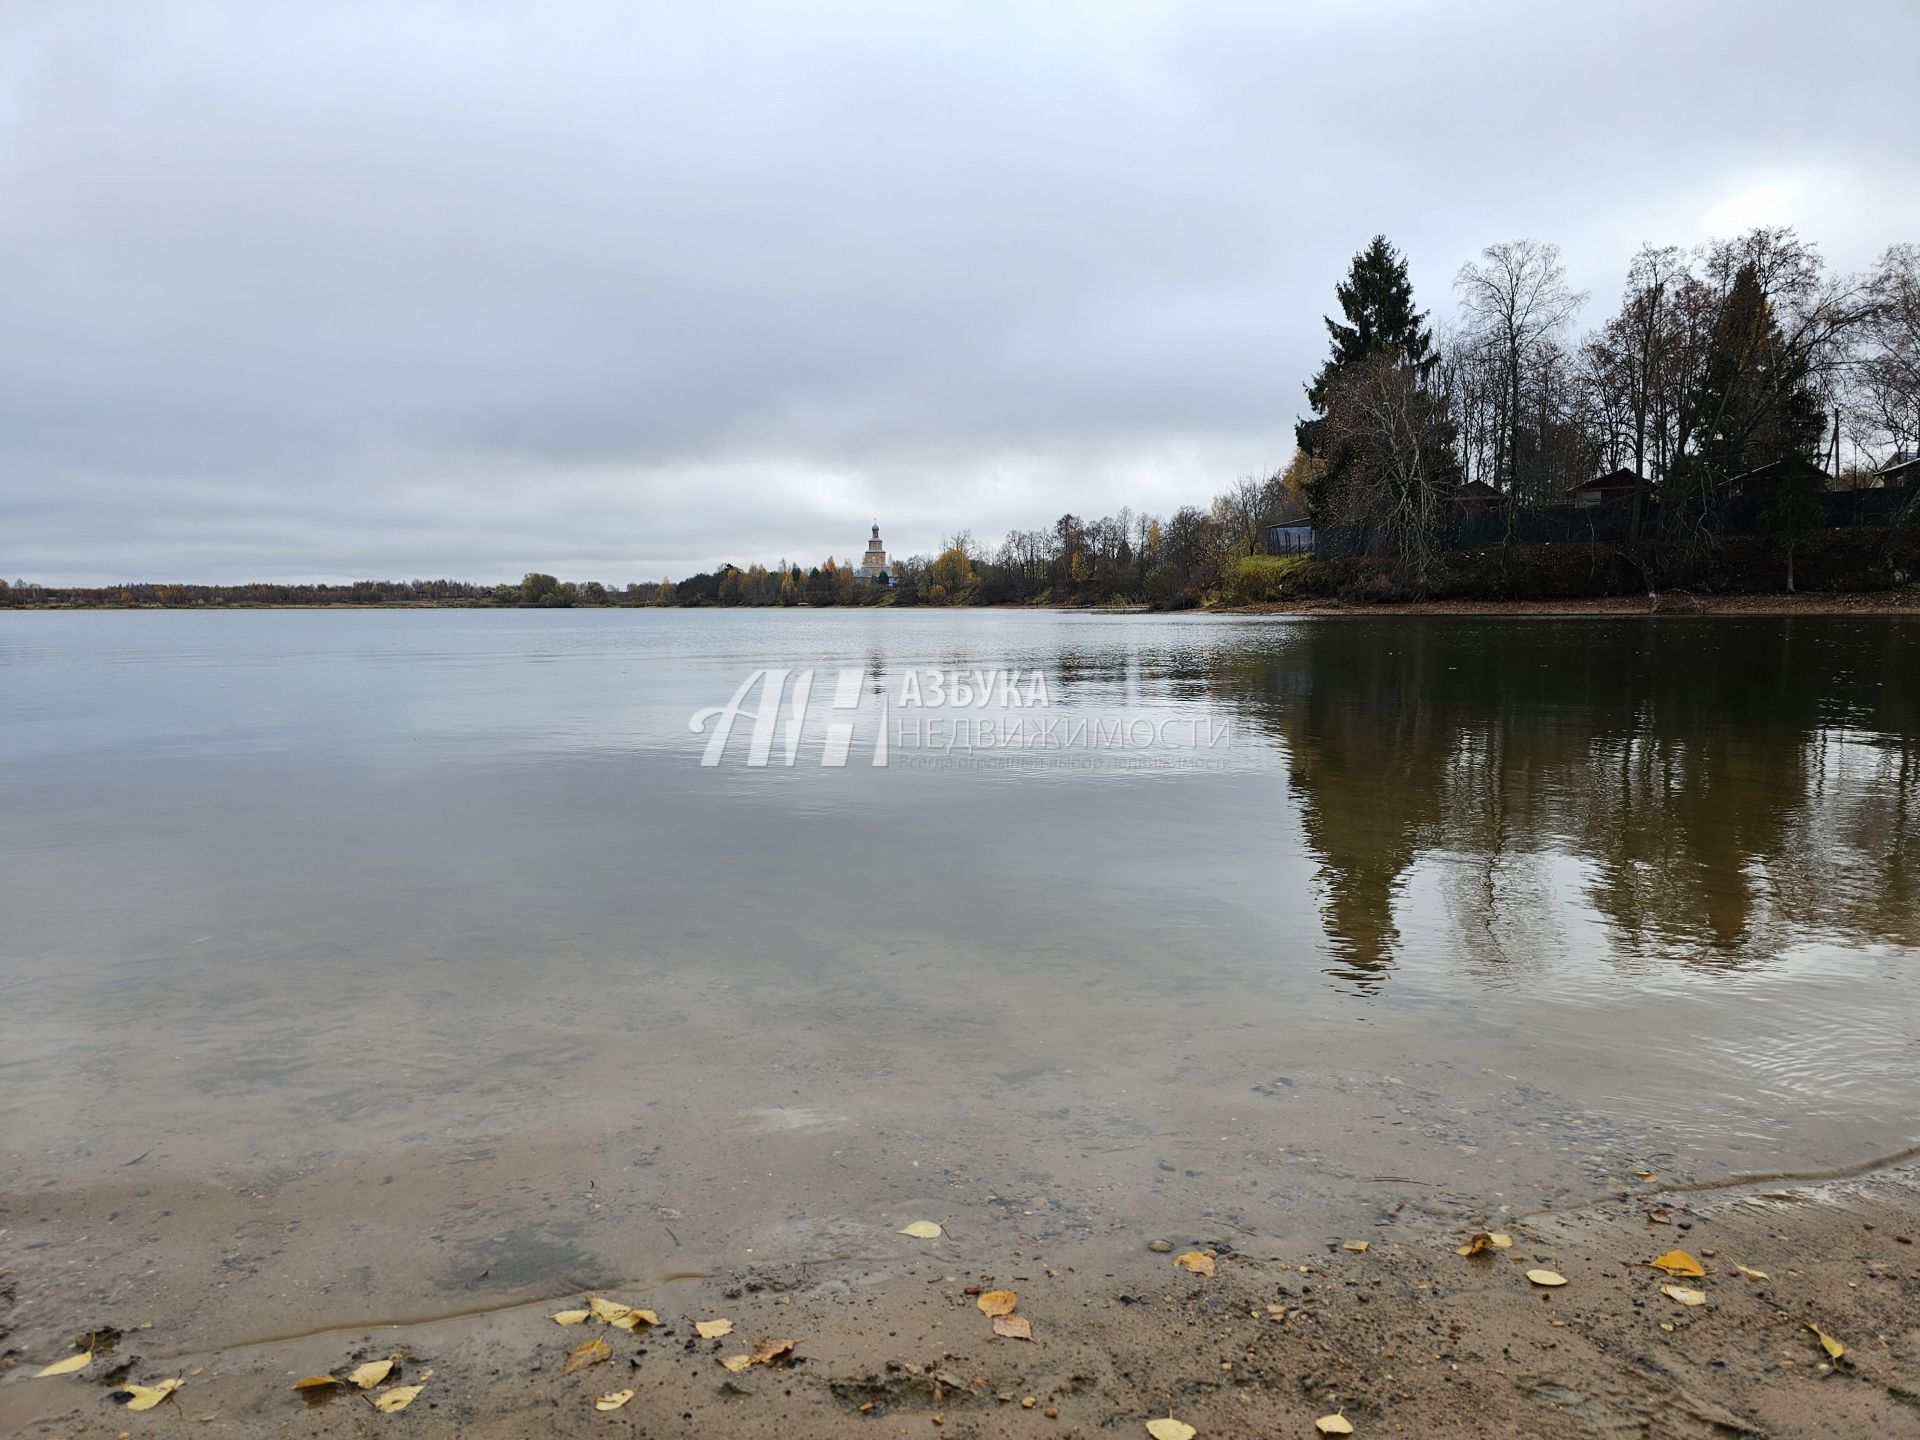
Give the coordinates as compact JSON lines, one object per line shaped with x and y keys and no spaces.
{"x":1403,"y":1338}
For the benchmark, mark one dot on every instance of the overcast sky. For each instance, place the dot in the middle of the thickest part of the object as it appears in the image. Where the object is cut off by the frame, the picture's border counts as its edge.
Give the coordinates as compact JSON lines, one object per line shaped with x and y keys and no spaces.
{"x":329,"y":291}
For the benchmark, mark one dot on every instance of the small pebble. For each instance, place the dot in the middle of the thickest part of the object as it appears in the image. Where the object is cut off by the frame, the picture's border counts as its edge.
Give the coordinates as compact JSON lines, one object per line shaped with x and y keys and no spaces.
{"x":1028,"y":1403}
{"x":1160,"y":1247}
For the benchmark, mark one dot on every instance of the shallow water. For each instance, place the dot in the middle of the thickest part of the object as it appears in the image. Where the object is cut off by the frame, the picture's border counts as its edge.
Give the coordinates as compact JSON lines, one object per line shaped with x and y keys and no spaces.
{"x":408,"y":962}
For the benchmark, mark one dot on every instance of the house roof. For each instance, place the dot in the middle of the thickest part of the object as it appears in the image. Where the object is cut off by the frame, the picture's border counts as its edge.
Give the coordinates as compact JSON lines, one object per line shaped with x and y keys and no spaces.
{"x":1478,"y":489}
{"x":1778,"y":469}
{"x":1901,"y":465}
{"x":1617,"y":480}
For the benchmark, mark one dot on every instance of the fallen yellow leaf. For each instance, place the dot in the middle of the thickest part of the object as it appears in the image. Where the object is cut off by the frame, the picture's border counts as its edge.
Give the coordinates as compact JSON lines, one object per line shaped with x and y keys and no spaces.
{"x":570,"y":1317}
{"x":609,"y":1312}
{"x":1359,"y":1247}
{"x":1645,"y":1175}
{"x":145,"y":1397}
{"x":66,"y":1366}
{"x":768,"y":1351}
{"x":388,"y":1402}
{"x":1677,"y":1262}
{"x":316,"y":1382}
{"x":370,"y":1374}
{"x":1197,"y":1261}
{"x":998,"y":1302}
{"x":1753,"y":1274}
{"x":1832,"y":1346}
{"x":630,"y":1320}
{"x":923,"y":1230}
{"x":713,"y":1329}
{"x":587,"y":1352}
{"x":1013,"y":1327}
{"x":1170,"y":1429}
{"x":613,"y":1400}
{"x":1482,"y":1241}
{"x":1333,"y":1425}
{"x":1546,"y":1277}
{"x":1684,"y":1295}
{"x":736,"y":1363}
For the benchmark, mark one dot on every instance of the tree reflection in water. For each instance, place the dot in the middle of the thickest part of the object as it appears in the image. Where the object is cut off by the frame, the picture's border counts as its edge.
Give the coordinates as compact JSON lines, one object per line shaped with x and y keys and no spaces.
{"x":1724,"y":788}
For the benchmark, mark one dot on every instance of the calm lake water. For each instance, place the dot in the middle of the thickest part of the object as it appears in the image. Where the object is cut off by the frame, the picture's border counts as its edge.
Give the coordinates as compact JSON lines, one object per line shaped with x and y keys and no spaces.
{"x":409,"y":960}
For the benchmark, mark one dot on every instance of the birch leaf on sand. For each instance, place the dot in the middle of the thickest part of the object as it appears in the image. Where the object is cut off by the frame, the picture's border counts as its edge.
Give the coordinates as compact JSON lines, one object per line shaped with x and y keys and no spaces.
{"x":1170,"y":1429}
{"x":370,"y":1374}
{"x":1684,"y":1295}
{"x":1753,"y":1274}
{"x":390,"y":1401}
{"x":587,"y":1352}
{"x":613,"y":1400}
{"x":1333,"y":1425}
{"x":1199,"y":1262}
{"x":66,"y":1366}
{"x":713,"y":1329}
{"x":1677,"y":1262}
{"x":624,"y":1317}
{"x":1549,"y":1278}
{"x":1358,"y":1247}
{"x":737,"y":1363}
{"x":1013,"y":1327}
{"x":1482,"y":1241}
{"x":1832,"y":1346}
{"x":570,"y":1317}
{"x":768,"y":1351}
{"x":145,"y":1397}
{"x":316,"y":1382}
{"x":998,"y":1302}
{"x":923,"y":1230}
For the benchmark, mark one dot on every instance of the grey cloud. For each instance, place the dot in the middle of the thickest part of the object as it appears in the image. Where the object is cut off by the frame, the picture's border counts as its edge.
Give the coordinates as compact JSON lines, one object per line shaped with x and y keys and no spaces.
{"x":337,"y":290}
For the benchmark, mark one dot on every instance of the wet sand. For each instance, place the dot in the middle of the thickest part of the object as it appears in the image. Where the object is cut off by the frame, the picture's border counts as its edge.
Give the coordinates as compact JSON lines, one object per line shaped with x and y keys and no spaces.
{"x":1406,"y":1338}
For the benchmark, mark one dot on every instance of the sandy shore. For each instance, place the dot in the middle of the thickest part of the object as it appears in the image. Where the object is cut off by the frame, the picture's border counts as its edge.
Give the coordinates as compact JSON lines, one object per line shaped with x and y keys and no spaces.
{"x":1404,"y":1338}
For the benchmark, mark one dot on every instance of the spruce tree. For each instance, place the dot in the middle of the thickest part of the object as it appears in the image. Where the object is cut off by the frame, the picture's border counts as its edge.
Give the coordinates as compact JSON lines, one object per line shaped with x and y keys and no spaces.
{"x":1377,"y":300}
{"x":1754,"y":401}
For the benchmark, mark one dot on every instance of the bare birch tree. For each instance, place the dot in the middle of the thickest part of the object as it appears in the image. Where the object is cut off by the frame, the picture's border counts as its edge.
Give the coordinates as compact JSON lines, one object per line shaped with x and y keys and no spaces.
{"x":1886,"y":396}
{"x":1400,"y":461}
{"x":1516,"y":303}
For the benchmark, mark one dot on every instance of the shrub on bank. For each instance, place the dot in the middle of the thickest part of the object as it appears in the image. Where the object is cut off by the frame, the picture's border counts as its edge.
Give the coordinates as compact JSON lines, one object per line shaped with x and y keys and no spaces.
{"x":1857,"y":557}
{"x":1260,"y":579}
{"x":1851,"y":558}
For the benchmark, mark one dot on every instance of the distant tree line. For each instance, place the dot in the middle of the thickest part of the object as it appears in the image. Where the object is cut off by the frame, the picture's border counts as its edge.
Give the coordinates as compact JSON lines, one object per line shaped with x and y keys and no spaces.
{"x":25,"y":594}
{"x":1718,"y":362}
{"x":1124,"y":558}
